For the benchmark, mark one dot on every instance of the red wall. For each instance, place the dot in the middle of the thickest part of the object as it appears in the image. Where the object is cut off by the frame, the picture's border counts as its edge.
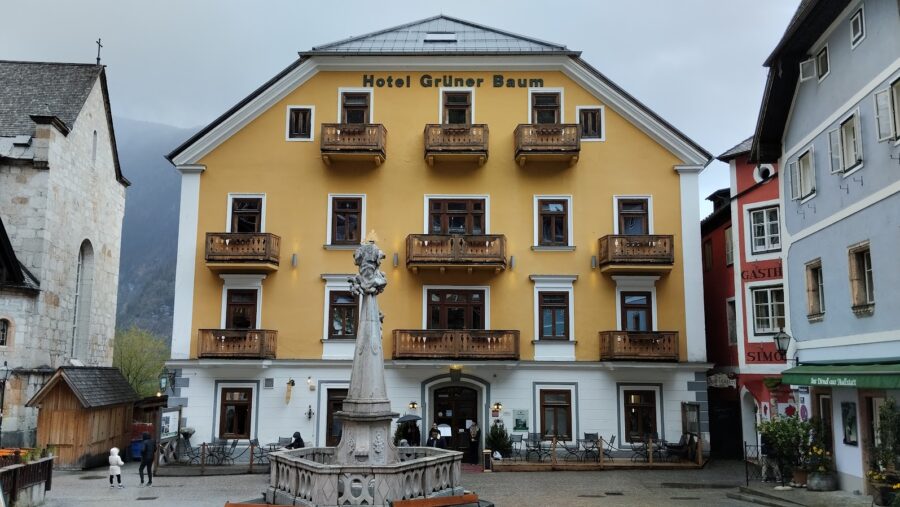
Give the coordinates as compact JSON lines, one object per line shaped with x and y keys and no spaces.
{"x":718,"y":285}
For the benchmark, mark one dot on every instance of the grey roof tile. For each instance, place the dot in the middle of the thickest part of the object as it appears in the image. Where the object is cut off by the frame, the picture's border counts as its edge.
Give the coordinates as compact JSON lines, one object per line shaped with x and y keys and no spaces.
{"x":28,"y":88}
{"x":97,"y":386}
{"x":738,"y":149}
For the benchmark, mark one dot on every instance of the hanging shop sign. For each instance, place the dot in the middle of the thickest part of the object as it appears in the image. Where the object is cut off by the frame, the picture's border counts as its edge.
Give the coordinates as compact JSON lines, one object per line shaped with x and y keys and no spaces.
{"x":720,"y":380}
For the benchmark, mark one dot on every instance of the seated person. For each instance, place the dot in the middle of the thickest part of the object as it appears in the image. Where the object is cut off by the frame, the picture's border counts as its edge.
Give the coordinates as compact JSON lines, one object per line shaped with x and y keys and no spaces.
{"x":435,"y":440}
{"x":297,"y":443}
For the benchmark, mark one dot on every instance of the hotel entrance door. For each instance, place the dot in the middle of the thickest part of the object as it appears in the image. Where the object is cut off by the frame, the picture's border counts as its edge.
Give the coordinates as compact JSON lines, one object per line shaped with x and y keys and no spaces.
{"x":456,"y":407}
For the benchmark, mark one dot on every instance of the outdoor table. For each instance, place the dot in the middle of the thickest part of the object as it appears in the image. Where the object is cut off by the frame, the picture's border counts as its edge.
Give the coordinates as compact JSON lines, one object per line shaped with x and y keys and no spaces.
{"x":273,"y":446}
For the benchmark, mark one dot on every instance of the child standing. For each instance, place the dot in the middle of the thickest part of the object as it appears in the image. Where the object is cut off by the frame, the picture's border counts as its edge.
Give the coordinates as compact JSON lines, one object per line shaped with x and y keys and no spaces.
{"x":114,"y":463}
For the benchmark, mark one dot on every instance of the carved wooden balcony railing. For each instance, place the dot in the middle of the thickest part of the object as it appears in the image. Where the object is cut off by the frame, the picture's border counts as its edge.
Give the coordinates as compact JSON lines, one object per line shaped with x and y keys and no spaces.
{"x":242,"y":251}
{"x":344,"y":141}
{"x":639,"y":346}
{"x":237,"y":343}
{"x":456,"y":344}
{"x":456,"y":250}
{"x":456,"y":142}
{"x":547,"y":143}
{"x":647,"y":253}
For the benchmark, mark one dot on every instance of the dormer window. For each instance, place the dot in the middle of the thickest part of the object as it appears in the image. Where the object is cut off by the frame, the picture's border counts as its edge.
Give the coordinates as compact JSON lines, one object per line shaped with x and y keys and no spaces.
{"x":440,"y":37}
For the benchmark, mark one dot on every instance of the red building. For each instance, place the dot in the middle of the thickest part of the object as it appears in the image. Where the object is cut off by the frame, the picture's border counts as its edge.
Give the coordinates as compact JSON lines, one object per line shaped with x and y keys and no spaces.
{"x":745,"y":302}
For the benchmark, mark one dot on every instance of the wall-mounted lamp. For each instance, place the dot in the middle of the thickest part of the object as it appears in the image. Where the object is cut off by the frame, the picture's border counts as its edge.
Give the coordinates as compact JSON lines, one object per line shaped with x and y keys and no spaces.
{"x":496,"y":407}
{"x":396,"y":259}
{"x":512,"y":261}
{"x":288,"y":390}
{"x":309,"y":413}
{"x":310,"y":384}
{"x":293,"y":260}
{"x":593,"y":262}
{"x":166,"y":381}
{"x":455,"y":373}
{"x":413,"y":405}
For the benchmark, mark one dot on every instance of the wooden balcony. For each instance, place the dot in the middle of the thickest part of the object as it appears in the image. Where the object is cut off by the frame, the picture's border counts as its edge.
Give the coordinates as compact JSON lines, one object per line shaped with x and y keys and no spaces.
{"x":462,"y":143}
{"x":638,"y":346}
{"x":547,"y":143}
{"x":456,"y":344}
{"x":349,"y":142}
{"x":237,"y":343}
{"x":242,"y":252}
{"x":637,"y":253}
{"x":442,"y":251}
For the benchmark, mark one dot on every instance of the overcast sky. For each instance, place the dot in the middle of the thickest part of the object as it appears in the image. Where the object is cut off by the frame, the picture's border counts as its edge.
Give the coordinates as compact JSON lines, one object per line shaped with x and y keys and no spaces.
{"x":698,"y":63}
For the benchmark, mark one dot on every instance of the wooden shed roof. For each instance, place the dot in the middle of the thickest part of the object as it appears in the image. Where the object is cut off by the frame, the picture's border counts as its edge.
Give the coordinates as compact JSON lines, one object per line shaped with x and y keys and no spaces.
{"x":94,"y":386}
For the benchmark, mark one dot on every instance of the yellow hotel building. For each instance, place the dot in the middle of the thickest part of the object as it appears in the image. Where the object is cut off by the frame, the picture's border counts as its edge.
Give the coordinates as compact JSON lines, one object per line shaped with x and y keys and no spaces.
{"x":541,"y":230}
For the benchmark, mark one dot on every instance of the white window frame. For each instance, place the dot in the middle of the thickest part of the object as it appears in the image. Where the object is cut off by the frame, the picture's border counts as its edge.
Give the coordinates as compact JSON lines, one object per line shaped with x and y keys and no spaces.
{"x":891,"y":121}
{"x":615,"y":203}
{"x":895,"y":104}
{"x":852,"y":252}
{"x":770,"y":246}
{"x":839,"y":131}
{"x":602,"y":122}
{"x":262,"y":215}
{"x":328,"y":219}
{"x":620,"y":408}
{"x":749,"y":254}
{"x":750,"y":310}
{"x":336,"y":349}
{"x":322,"y":402}
{"x":535,"y":245}
{"x":823,"y":49}
{"x":562,"y":101}
{"x":573,"y":396}
{"x":242,"y":282}
{"x":10,"y":332}
{"x":254,"y":407}
{"x":487,"y":300}
{"x":349,"y":89}
{"x":625,"y":283}
{"x":796,"y":176}
{"x":487,"y":208}
{"x":312,"y":124}
{"x":553,"y":350}
{"x":820,"y":288}
{"x":452,"y":89}
{"x":729,"y":246}
{"x":862,"y":26}
{"x":730,"y":302}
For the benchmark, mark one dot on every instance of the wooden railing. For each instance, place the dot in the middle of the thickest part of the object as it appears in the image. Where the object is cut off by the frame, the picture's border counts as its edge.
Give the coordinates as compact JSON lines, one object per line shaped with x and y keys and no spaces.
{"x":242,"y":247}
{"x":637,"y":249}
{"x":17,"y":477}
{"x":456,"y":139}
{"x":352,"y":138}
{"x":456,"y":344}
{"x":237,"y":343}
{"x":539,"y":138}
{"x":458,"y":249}
{"x":641,"y":346}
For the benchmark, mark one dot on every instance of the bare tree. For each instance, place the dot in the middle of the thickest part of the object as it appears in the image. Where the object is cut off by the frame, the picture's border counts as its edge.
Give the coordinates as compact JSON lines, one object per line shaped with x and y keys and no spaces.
{"x":140,"y":355}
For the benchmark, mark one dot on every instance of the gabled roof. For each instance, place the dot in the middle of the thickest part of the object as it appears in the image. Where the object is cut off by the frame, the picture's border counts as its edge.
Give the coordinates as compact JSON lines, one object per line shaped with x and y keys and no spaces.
{"x":457,"y":37}
{"x":38,"y":92}
{"x":738,"y":149}
{"x":94,"y":386}
{"x":13,"y":275}
{"x":810,"y":21}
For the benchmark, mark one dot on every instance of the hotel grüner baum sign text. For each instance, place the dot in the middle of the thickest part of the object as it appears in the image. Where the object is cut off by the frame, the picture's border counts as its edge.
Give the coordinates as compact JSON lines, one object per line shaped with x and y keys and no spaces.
{"x":449,"y":80}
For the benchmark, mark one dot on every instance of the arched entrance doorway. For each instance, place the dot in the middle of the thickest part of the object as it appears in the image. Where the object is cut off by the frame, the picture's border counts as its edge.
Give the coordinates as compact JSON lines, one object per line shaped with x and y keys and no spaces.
{"x":456,"y":406}
{"x":748,"y":417}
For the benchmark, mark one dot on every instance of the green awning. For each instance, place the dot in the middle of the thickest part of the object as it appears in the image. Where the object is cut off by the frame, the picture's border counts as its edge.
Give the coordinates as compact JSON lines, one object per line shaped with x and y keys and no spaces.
{"x":864,"y":376}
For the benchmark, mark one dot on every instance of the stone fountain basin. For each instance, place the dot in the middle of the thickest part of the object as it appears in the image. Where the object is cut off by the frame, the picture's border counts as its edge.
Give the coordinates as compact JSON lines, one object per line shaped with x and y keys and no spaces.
{"x":312,"y":477}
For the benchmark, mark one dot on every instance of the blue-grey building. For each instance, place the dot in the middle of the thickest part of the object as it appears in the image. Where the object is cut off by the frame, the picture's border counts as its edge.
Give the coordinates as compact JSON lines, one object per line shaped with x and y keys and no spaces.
{"x":831,"y":117}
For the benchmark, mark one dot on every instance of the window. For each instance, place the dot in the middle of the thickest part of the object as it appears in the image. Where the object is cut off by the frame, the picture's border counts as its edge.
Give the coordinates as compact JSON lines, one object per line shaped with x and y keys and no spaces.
{"x":862,"y":284}
{"x":94,"y":148}
{"x":729,"y":248}
{"x":633,"y":216}
{"x":355,"y":108}
{"x":707,"y":255}
{"x":802,"y":176}
{"x":640,"y":415}
{"x":5,"y":328}
{"x":456,"y":216}
{"x":857,"y":27}
{"x":731,"y":317}
{"x":240,"y":309}
{"x":457,"y":108}
{"x":440,"y":37}
{"x":346,"y":213}
{"x":815,"y":290}
{"x":768,"y":309}
{"x":455,"y":309}
{"x":590,"y":121}
{"x":300,"y":123}
{"x":556,"y":413}
{"x":235,"y":412}
{"x":554,"y":315}
{"x":637,"y":313}
{"x":690,"y":418}
{"x":554,"y":222}
{"x":81,"y":314}
{"x":246,"y":214}
{"x":545,"y":108}
{"x":822,"y":63}
{"x":342,"y":314}
{"x":887,"y":111}
{"x":764,"y":230}
{"x":844,"y":145}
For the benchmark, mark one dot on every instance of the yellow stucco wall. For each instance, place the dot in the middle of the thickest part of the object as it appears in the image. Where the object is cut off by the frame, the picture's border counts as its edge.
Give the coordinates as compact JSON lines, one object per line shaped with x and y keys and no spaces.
{"x":296,"y":183}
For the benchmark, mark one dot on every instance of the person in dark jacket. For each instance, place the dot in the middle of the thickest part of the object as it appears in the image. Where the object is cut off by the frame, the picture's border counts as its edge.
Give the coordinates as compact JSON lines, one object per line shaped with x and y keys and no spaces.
{"x":148,"y":450}
{"x":297,"y":443}
{"x":435,"y":440}
{"x":413,"y":436}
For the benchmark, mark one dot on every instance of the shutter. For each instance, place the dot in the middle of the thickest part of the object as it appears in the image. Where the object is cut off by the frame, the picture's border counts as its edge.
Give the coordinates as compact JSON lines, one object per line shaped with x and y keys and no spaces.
{"x":811,"y":285}
{"x":795,"y":180}
{"x":857,"y":138}
{"x":807,"y":70}
{"x":854,"y":280}
{"x":834,"y":150}
{"x":883,"y":115}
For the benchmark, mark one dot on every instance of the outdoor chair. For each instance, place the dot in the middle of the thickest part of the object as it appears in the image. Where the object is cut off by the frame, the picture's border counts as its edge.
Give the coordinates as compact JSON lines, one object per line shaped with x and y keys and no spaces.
{"x":639,"y":451}
{"x":284,"y":441}
{"x":228,"y":454}
{"x":191,"y":455}
{"x":684,"y":449}
{"x":573,"y":450}
{"x":534,"y":445}
{"x":610,"y":447}
{"x":516,"y":440}
{"x":260,"y":455}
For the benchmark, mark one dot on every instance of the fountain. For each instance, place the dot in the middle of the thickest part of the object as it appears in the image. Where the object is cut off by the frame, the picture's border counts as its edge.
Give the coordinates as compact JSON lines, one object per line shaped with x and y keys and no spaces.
{"x":365,"y":468}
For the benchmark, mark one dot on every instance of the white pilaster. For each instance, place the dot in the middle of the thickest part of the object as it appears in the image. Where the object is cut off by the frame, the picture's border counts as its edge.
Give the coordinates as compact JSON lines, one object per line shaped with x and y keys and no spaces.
{"x":187,"y":253}
{"x":689,"y":176}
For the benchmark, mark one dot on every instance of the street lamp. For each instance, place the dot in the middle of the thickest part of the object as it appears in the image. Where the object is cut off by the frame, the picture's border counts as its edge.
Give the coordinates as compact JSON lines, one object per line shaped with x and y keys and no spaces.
{"x":782,"y":340}
{"x":4,"y":376}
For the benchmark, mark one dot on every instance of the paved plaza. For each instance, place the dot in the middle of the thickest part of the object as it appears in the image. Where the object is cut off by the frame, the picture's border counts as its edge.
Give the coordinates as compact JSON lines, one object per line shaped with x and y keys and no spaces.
{"x":694,"y":488}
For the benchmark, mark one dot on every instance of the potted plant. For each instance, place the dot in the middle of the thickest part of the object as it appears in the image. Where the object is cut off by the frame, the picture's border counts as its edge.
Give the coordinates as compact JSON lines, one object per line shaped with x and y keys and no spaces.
{"x":883,"y":476}
{"x":821,"y":471}
{"x":498,"y":439}
{"x":788,"y":437}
